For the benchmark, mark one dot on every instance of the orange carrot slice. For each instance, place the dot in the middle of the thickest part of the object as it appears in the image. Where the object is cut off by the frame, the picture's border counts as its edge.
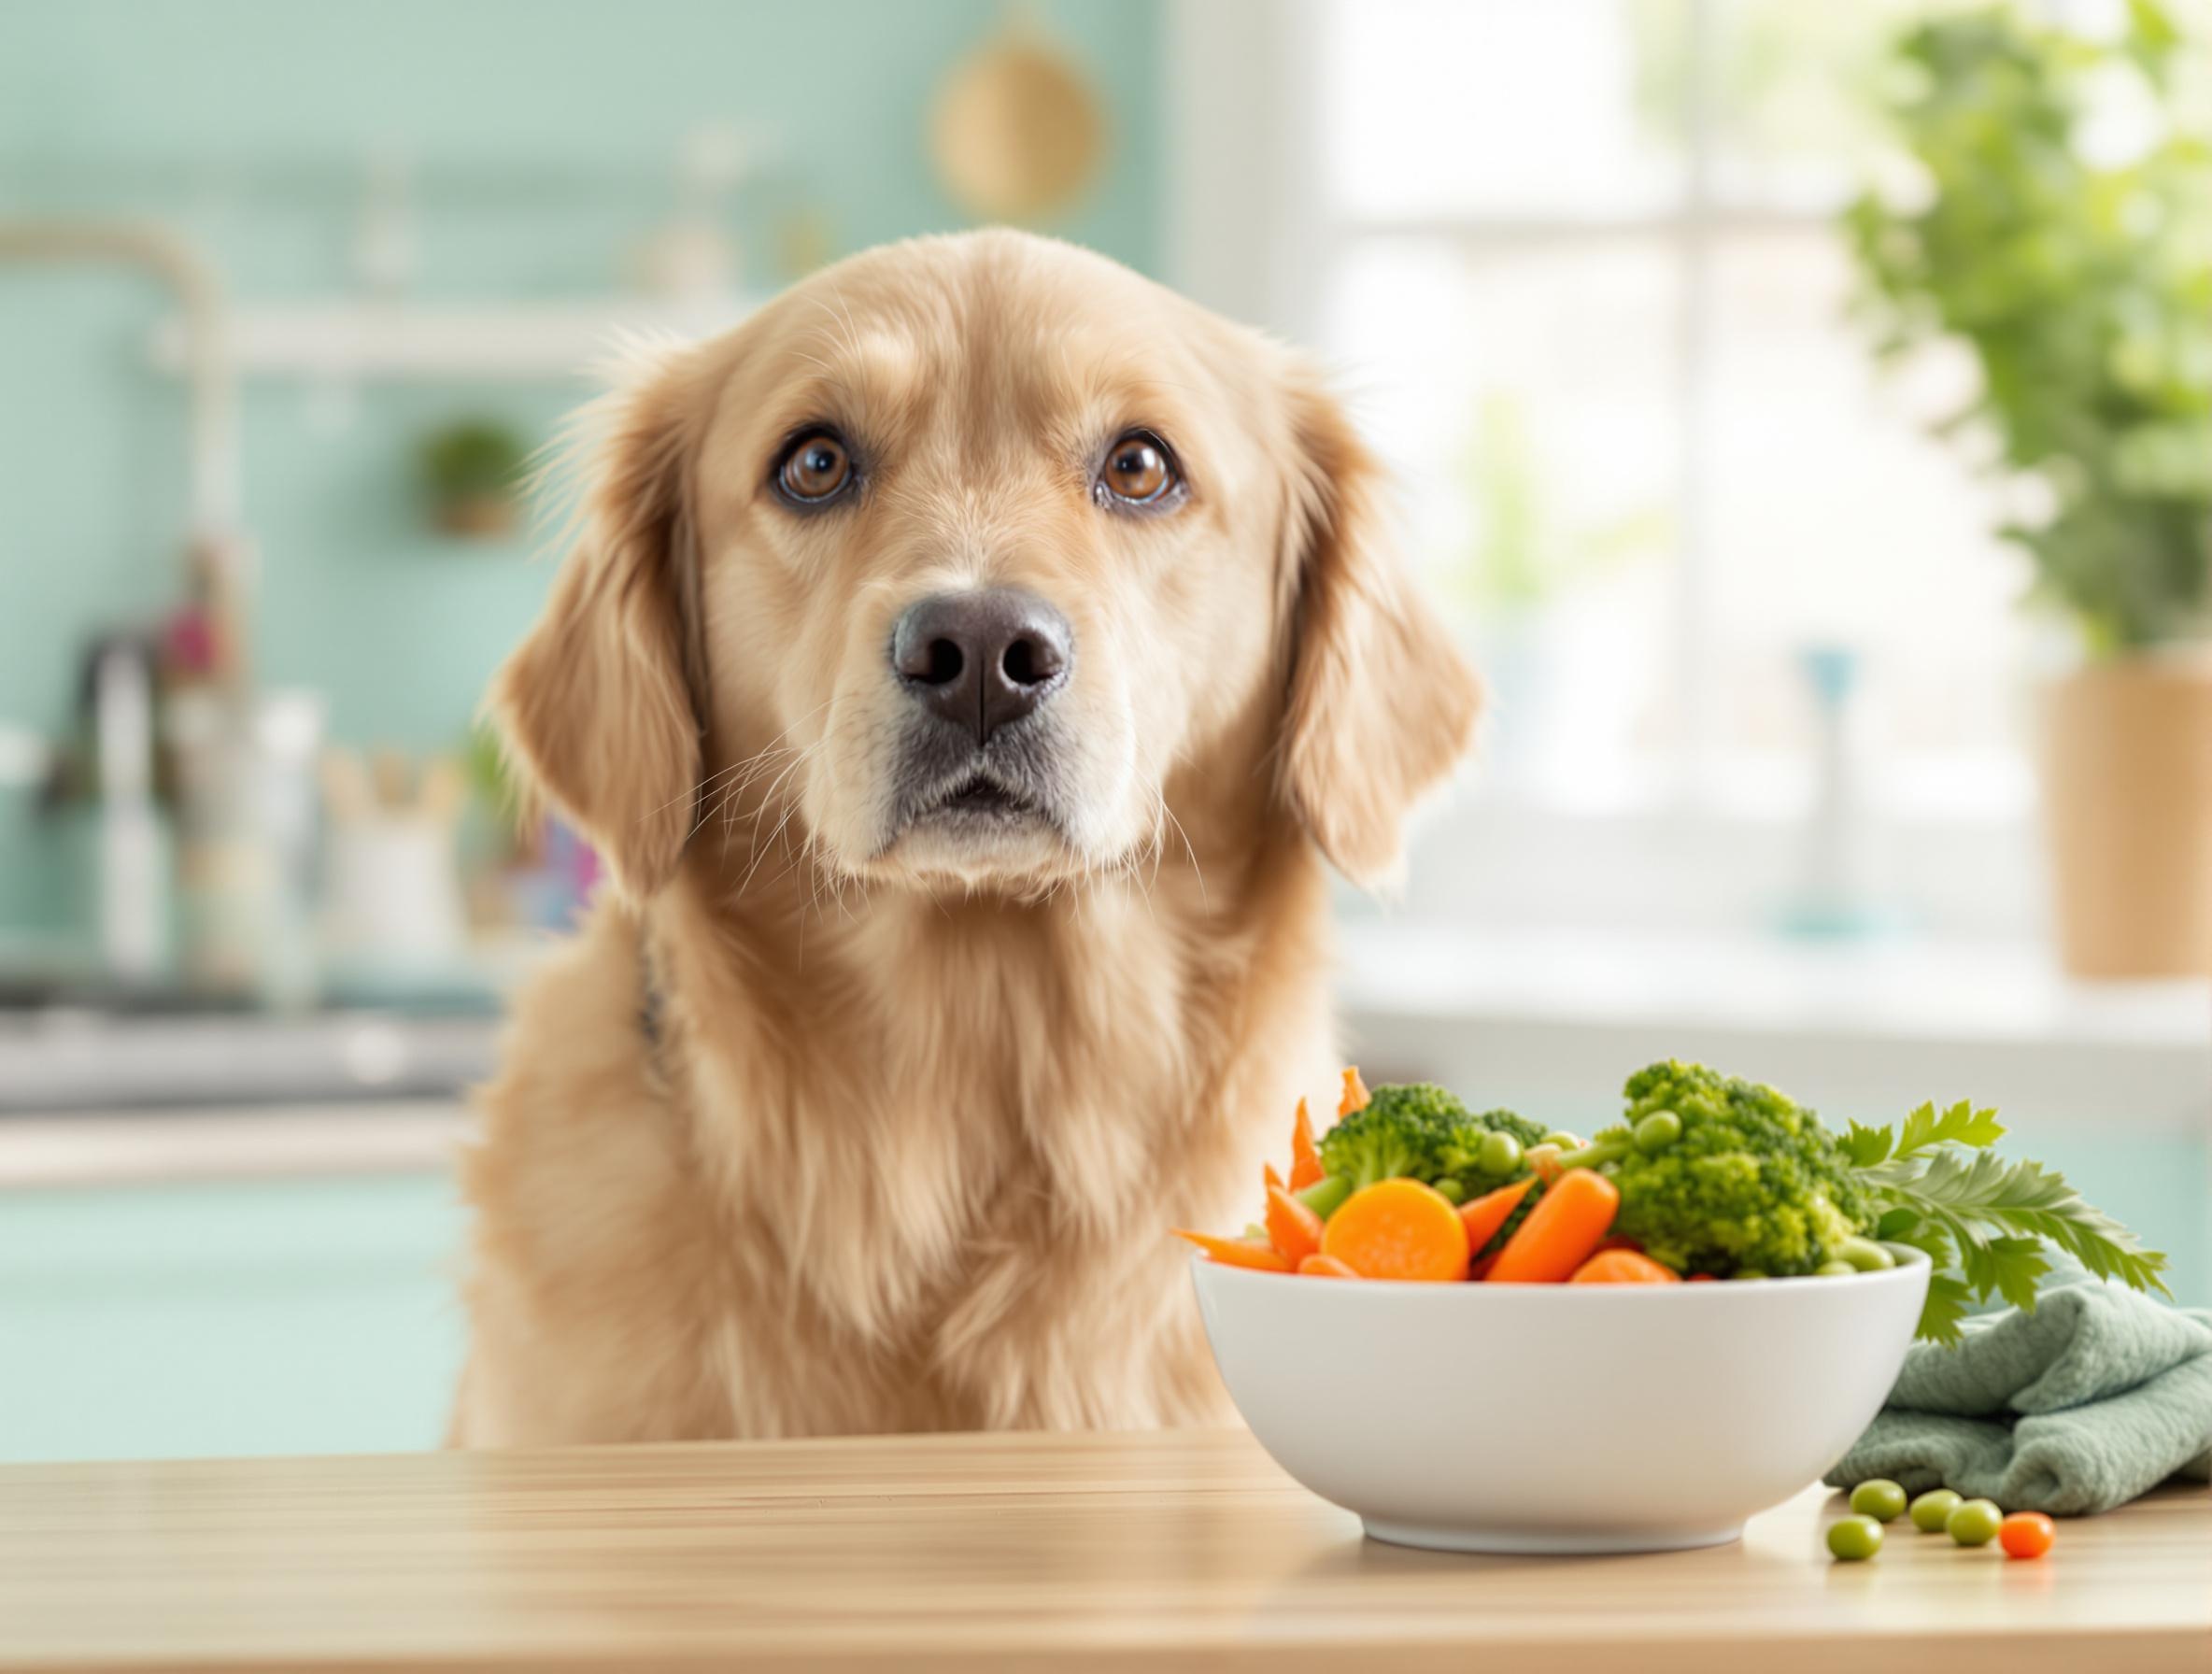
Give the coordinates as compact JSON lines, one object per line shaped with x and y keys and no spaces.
{"x":1398,"y":1229}
{"x":1293,"y":1229}
{"x":1267,"y":1175}
{"x":1305,"y":1160}
{"x":1560,"y":1232}
{"x":1483,"y":1215}
{"x":1237,"y":1252}
{"x":1356,"y":1096}
{"x":1318,"y":1265}
{"x":1623,"y":1267}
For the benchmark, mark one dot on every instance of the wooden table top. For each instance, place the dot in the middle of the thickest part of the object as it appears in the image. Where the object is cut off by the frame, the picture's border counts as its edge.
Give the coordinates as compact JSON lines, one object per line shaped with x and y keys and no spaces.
{"x":1184,"y":1550}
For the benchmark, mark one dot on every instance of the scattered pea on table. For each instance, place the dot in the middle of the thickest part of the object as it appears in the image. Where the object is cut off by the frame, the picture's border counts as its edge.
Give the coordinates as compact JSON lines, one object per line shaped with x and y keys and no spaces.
{"x":2026,"y":1535}
{"x":1878,"y":1498}
{"x":1855,"y":1538}
{"x":1974,"y":1522}
{"x":1931,"y":1511}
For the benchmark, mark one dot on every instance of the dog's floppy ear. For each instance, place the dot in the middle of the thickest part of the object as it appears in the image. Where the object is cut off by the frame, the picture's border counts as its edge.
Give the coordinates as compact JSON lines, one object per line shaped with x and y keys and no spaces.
{"x":1382,"y":704}
{"x":600,"y":704}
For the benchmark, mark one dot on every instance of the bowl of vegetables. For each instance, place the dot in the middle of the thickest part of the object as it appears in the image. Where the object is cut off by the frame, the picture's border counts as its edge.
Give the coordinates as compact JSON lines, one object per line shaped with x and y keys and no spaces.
{"x":1481,"y":1336}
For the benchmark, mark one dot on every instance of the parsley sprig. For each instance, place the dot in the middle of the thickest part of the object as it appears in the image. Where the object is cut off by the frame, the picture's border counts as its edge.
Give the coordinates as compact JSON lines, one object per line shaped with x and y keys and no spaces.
{"x":1985,"y":1223}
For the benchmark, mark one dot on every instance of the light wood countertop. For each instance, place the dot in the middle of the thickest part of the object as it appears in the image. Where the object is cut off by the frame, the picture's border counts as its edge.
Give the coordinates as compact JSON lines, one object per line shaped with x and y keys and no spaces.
{"x":1178,"y":1550}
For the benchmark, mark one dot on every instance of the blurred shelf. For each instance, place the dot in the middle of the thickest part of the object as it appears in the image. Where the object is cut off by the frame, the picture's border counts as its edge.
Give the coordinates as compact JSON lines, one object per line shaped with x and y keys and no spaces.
{"x":523,"y":341}
{"x":66,"y":1059}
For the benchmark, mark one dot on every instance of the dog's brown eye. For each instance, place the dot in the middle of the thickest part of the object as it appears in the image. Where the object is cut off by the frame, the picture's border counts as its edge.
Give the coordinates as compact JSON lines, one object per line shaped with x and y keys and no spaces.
{"x":1139,"y":471}
{"x":815,"y":469}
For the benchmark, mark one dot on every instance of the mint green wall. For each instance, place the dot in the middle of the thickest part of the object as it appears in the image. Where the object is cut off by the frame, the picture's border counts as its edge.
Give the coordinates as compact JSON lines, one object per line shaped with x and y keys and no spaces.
{"x":275,"y":1316}
{"x":247,"y":123}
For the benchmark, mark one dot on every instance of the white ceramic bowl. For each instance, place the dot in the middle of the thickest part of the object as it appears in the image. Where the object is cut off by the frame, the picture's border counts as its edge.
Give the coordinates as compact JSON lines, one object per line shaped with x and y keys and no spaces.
{"x":1558,"y":1418}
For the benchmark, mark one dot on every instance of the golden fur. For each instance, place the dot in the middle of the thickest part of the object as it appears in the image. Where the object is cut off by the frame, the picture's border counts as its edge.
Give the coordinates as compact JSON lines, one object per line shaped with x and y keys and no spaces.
{"x":901,"y":1142}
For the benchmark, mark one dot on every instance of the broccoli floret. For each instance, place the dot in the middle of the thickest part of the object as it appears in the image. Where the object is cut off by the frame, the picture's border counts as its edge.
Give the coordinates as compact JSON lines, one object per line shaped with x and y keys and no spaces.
{"x":1400,"y":1133}
{"x":1743,"y":1179}
{"x":1520,"y":1128}
{"x":1461,"y":1154}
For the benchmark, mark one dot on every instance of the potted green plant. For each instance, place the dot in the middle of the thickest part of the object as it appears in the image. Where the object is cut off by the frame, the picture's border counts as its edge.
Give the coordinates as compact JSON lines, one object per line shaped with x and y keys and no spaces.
{"x":472,"y":475}
{"x":2061,"y":229}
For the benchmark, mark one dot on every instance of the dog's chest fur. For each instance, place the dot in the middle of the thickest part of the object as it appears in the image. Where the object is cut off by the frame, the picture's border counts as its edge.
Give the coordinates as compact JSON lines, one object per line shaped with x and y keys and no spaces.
{"x":914,"y":1170}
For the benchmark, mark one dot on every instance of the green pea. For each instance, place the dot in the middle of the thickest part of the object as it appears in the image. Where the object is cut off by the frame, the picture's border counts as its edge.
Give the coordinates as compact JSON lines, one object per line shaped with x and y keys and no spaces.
{"x":1836,"y":1270}
{"x":1931,"y":1510}
{"x":1866,"y":1254}
{"x":1855,"y":1538}
{"x":1498,"y":1153}
{"x":1879,"y":1498}
{"x":1564,"y":1140}
{"x":1974,"y":1522}
{"x":1451,"y":1190}
{"x":1658,"y":1130}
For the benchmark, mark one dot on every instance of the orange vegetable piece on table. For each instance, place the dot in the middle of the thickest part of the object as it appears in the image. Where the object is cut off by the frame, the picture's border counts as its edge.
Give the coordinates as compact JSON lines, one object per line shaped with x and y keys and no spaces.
{"x":1568,"y":1223}
{"x":1623,"y":1267}
{"x":1483,"y":1215}
{"x":2026,"y":1535}
{"x":1356,"y":1096}
{"x":1267,"y":1176}
{"x":1318,"y":1265}
{"x":1237,"y":1252}
{"x":1398,"y":1229}
{"x":1293,"y":1229}
{"x":1305,"y":1160}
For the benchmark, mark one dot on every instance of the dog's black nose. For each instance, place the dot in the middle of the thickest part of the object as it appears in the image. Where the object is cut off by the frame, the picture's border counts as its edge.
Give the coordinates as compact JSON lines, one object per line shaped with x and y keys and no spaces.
{"x":982,"y":659}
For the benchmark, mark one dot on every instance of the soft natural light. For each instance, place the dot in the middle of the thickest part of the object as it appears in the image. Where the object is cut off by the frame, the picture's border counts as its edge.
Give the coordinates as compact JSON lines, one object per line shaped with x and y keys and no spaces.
{"x":1602,"y":320}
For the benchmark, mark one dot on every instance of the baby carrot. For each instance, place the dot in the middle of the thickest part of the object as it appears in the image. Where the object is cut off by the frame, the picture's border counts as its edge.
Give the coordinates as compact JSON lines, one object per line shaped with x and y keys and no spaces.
{"x":1571,"y":1221}
{"x":1398,"y":1229}
{"x":1237,"y":1252}
{"x":1293,"y":1229}
{"x":1623,"y":1267}
{"x":1356,"y":1096}
{"x":1305,"y":1161}
{"x":1267,"y":1175}
{"x":1486,"y":1215}
{"x":1318,"y":1265}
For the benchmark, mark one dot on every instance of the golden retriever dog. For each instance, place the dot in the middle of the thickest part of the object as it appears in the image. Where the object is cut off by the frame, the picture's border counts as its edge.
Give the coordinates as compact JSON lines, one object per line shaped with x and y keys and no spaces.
{"x":968,"y":668}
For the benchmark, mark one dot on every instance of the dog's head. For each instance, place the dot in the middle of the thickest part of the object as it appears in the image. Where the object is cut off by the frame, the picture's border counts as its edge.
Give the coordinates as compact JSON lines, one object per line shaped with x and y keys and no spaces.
{"x":955,"y":561}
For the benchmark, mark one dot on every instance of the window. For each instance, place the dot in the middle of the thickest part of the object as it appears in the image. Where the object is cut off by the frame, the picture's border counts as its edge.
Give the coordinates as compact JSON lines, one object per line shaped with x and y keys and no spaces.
{"x":1579,"y":262}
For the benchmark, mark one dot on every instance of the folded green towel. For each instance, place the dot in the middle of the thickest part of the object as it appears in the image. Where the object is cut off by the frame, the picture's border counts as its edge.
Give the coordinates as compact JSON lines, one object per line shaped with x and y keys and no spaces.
{"x":2095,"y":1397}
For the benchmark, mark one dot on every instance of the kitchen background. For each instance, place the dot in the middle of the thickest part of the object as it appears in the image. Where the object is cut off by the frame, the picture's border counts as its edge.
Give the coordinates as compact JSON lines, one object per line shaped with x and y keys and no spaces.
{"x":1785,"y":770}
